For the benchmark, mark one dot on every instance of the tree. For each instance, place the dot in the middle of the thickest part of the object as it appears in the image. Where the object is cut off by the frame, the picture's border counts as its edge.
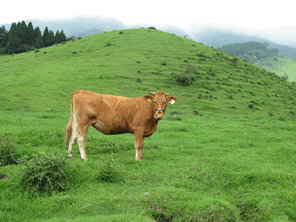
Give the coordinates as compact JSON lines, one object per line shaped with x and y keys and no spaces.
{"x":62,"y":37}
{"x":13,"y":44}
{"x":46,"y":37}
{"x":51,"y":36}
{"x":3,"y":36}
{"x":38,"y":42}
{"x":56,"y":37}
{"x":31,"y":34}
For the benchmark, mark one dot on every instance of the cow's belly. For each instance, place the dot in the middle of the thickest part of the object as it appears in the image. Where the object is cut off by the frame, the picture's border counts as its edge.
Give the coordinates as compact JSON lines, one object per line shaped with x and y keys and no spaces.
{"x":107,"y":129}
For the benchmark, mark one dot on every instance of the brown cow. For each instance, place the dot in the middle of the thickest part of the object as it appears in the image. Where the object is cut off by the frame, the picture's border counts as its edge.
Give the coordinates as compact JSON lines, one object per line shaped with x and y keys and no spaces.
{"x":115,"y":115}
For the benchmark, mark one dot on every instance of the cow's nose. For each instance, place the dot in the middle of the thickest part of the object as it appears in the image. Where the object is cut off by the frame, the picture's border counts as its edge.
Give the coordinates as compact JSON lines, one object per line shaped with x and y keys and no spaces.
{"x":157,"y":116}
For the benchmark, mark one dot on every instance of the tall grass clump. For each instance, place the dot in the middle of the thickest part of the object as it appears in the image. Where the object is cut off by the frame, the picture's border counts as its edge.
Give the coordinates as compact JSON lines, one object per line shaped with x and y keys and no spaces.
{"x":44,"y":174}
{"x":108,"y":173}
{"x":8,"y":153}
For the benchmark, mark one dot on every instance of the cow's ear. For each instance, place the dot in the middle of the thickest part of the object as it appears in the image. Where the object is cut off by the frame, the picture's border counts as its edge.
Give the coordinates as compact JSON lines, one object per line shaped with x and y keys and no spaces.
{"x":172,"y":99}
{"x":148,"y":98}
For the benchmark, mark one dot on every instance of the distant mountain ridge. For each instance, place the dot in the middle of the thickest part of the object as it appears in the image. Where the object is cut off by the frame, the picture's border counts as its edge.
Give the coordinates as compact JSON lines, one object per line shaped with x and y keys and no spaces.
{"x":86,"y":25}
{"x":218,"y":38}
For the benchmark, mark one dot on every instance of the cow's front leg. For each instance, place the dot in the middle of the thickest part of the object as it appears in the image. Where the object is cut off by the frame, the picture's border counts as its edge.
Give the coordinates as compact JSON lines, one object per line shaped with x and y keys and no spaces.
{"x":139,"y":143}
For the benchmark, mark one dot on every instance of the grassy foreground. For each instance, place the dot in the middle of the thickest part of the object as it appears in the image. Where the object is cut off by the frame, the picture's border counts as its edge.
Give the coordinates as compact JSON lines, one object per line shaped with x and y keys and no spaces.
{"x":224,"y":152}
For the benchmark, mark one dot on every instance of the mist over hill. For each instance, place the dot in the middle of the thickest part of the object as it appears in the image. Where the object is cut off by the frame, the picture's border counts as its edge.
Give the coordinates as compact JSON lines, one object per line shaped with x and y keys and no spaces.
{"x":82,"y":26}
{"x":76,"y":25}
{"x":219,"y":38}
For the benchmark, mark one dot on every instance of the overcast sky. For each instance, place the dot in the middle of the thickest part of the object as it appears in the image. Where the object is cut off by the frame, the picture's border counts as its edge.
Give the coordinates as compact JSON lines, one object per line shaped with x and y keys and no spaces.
{"x":253,"y":16}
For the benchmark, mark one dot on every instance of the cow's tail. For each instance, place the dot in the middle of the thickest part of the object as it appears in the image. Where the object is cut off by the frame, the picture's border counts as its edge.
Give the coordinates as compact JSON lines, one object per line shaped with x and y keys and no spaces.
{"x":69,"y":126}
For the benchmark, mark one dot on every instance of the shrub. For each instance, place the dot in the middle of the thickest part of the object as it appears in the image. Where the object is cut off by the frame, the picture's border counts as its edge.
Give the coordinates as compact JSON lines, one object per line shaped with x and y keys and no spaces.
{"x":186,"y":77}
{"x":151,"y":27}
{"x":183,"y":78}
{"x":74,"y":52}
{"x":120,"y":33}
{"x":195,"y":112}
{"x":8,"y":154}
{"x":163,"y":63}
{"x":251,"y":105}
{"x":37,"y":50}
{"x":108,"y":173}
{"x":139,"y":80}
{"x":79,"y":38}
{"x":138,"y":62}
{"x":44,"y":174}
{"x":138,"y":71}
{"x":108,"y":44}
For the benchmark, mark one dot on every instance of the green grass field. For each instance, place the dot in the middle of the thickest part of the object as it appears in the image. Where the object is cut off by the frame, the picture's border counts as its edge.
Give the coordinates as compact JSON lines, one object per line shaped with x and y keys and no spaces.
{"x":224,"y":152}
{"x":280,"y":65}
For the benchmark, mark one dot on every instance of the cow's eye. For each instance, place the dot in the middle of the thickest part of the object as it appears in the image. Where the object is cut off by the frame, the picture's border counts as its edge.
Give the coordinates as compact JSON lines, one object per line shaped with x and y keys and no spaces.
{"x":165,"y":102}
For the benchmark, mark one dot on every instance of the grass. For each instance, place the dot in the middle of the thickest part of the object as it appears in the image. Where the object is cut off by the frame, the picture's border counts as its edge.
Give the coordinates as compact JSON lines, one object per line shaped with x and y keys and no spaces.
{"x":211,"y":159}
{"x":280,"y":65}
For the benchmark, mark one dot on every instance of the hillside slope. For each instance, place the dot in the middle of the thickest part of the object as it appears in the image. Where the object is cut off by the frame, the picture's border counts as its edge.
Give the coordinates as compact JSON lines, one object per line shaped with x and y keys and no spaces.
{"x":136,"y":62}
{"x":225,"y":151}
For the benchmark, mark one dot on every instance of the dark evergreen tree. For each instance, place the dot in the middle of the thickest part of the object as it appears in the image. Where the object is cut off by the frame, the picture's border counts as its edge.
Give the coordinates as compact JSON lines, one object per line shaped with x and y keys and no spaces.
{"x":3,"y":36}
{"x":14,"y":43}
{"x":51,"y":36}
{"x":63,"y":37}
{"x":25,"y":34}
{"x":56,"y":37}
{"x":3,"y":39}
{"x":46,"y":37}
{"x":31,"y":34}
{"x":39,"y":41}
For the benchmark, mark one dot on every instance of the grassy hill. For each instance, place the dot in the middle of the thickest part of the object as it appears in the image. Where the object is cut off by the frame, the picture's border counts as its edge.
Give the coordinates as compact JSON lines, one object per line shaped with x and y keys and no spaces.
{"x":224,"y":152}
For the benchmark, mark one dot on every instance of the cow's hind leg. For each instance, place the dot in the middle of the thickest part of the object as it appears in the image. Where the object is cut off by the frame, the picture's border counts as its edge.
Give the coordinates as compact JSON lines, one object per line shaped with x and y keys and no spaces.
{"x":82,"y":132}
{"x":139,"y":143}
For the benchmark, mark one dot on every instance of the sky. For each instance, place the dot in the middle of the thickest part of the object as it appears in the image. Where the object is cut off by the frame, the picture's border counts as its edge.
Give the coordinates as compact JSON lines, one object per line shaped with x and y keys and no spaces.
{"x":270,"y":18}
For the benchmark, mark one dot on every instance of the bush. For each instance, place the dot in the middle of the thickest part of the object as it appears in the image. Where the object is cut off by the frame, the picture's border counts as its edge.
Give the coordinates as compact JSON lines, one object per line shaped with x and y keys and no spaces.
{"x":44,"y":174}
{"x":251,"y":105}
{"x":8,"y":154}
{"x":108,"y":44}
{"x":151,"y":27}
{"x":183,"y":78}
{"x":186,"y":77}
{"x":37,"y":50}
{"x":163,"y":63}
{"x":108,"y":173}
{"x":120,"y":33}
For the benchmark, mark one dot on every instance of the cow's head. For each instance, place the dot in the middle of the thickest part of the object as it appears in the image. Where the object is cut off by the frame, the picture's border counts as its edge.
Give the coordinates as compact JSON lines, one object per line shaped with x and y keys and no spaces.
{"x":160,"y":101}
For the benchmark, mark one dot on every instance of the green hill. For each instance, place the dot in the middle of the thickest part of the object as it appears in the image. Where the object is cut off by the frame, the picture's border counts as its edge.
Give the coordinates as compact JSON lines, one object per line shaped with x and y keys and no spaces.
{"x":224,"y":152}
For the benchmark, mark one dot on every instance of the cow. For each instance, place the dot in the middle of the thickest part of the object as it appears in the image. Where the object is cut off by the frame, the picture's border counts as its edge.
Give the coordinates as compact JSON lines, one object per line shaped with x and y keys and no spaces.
{"x":115,"y":115}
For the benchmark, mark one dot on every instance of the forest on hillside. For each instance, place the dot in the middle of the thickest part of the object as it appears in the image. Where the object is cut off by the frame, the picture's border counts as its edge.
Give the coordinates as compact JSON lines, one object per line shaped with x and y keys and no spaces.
{"x":250,"y":51}
{"x":22,"y":37}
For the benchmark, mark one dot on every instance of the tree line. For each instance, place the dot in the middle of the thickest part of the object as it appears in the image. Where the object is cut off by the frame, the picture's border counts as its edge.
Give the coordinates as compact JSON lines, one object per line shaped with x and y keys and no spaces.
{"x":22,"y":38}
{"x":250,"y":51}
